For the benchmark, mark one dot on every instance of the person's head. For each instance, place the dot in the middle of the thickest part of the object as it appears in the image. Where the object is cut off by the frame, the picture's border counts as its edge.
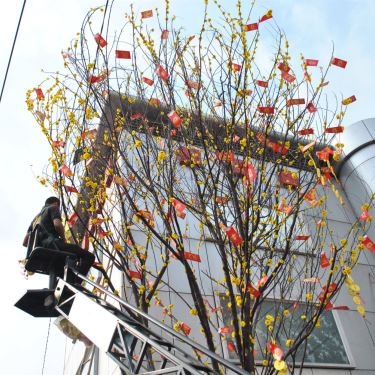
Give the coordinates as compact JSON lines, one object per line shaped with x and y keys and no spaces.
{"x":52,"y":200}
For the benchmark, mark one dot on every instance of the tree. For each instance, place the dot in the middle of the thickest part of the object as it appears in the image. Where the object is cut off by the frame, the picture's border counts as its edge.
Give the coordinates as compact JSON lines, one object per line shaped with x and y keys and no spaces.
{"x":174,"y":132}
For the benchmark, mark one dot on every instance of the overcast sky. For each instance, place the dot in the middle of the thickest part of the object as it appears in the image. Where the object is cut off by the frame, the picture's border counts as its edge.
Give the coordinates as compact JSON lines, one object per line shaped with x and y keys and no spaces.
{"x":312,"y":27}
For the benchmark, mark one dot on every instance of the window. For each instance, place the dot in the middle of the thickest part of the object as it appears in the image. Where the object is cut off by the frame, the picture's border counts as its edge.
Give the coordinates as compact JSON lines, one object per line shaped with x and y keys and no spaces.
{"x":325,"y":346}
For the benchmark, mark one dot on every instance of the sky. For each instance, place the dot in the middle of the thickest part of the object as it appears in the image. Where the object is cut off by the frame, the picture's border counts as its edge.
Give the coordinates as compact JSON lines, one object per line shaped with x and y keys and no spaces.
{"x":312,"y":28}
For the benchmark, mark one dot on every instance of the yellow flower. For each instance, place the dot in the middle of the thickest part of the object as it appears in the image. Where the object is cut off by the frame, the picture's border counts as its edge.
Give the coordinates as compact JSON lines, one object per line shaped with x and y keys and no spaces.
{"x":138,"y":143}
{"x":289,"y":342}
{"x":193,"y":312}
{"x":161,"y":156}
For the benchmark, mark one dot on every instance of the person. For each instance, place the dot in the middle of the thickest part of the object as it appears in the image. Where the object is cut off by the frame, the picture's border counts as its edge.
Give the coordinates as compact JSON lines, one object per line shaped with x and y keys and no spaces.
{"x":51,"y":235}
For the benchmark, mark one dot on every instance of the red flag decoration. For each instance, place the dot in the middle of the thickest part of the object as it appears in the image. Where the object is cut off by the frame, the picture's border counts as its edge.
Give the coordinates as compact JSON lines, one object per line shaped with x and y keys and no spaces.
{"x":233,"y":236}
{"x":311,"y":108}
{"x":39,"y":93}
{"x":227,"y":157}
{"x":193,"y":85}
{"x":73,"y":219}
{"x":297,"y":101}
{"x":365,"y":216}
{"x":191,"y":256}
{"x":148,"y":81}
{"x":225,"y":330}
{"x":370,"y":245}
{"x":179,"y":208}
{"x":100,"y":40}
{"x":154,"y":101}
{"x":185,"y":329}
{"x":71,"y":189}
{"x":164,"y":34}
{"x":136,"y":116}
{"x":236,"y":67}
{"x":249,"y":172}
{"x":134,"y":274}
{"x":284,"y":67}
{"x":253,"y":291}
{"x":324,"y":261}
{"x":276,"y":352}
{"x":261,"y":83}
{"x":266,"y":110}
{"x":221,"y":200}
{"x":324,"y":154}
{"x":66,"y":171}
{"x":338,"y":62}
{"x":231,"y":347}
{"x":122,"y":54}
{"x":147,"y":14}
{"x":58,"y":144}
{"x":302,"y":237}
{"x":161,"y":73}
{"x":311,"y":62}
{"x":287,"y":77}
{"x":266,"y":16}
{"x":96,"y":79}
{"x":334,"y":130}
{"x":251,"y":27}
{"x":175,"y":119}
{"x":306,"y":131}
{"x":349,"y":100}
{"x":89,"y":134}
{"x":284,"y":207}
{"x":120,"y":181}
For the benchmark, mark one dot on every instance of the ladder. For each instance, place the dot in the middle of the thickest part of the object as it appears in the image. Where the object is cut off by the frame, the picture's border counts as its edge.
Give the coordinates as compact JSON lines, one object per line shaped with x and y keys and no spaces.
{"x":133,"y":346}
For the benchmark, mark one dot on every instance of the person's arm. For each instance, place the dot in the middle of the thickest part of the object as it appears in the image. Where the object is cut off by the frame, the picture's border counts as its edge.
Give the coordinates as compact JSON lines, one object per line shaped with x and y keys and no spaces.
{"x":59,"y":228}
{"x":26,"y":239}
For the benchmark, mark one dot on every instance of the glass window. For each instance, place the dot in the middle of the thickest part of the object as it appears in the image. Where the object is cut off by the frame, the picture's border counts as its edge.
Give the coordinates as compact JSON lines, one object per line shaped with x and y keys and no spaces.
{"x":324,"y":346}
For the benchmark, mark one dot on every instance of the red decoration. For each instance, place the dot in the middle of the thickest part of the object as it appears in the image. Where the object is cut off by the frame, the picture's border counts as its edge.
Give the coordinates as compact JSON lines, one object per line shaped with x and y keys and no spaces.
{"x":58,"y":144}
{"x":136,"y":116}
{"x":311,"y":62}
{"x":233,"y":236}
{"x":249,"y":172}
{"x":188,"y":156}
{"x":370,"y":245}
{"x":324,"y":261}
{"x":286,"y":179}
{"x":224,"y":156}
{"x":295,"y":102}
{"x":324,"y":154}
{"x":164,"y":34}
{"x":225,"y":330}
{"x":251,"y":27}
{"x":89,"y":134}
{"x":302,"y":237}
{"x":266,"y":110}
{"x":73,"y":219}
{"x":266,"y":16}
{"x":185,"y":329}
{"x":287,"y":77}
{"x":179,"y":208}
{"x":100,"y":40}
{"x":231,"y":347}
{"x":191,"y":256}
{"x":284,"y":67}
{"x":306,"y":131}
{"x":236,"y":67}
{"x":148,"y":81}
{"x":134,"y":274}
{"x":193,"y":84}
{"x":96,"y":79}
{"x":349,"y":100}
{"x":39,"y":93}
{"x":365,"y":216}
{"x":71,"y":189}
{"x":65,"y":170}
{"x":122,"y":54}
{"x":161,"y":73}
{"x":176,"y":120}
{"x":338,"y":62}
{"x":261,"y":83}
{"x":334,"y":130}
{"x":311,"y":108}
{"x":253,"y":291}
{"x":147,"y":14}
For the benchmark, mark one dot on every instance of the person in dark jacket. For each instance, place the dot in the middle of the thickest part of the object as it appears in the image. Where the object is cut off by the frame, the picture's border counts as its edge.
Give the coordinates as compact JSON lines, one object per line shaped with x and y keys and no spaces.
{"x":51,"y":234}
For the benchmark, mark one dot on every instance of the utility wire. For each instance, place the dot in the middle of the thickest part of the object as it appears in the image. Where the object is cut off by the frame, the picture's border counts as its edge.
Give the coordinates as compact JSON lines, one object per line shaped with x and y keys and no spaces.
{"x":11,"y":52}
{"x":45,"y":349}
